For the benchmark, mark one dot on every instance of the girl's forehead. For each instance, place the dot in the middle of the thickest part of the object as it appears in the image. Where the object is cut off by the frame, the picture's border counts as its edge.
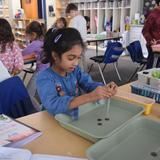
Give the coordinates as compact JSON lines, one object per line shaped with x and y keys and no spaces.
{"x":76,"y":47}
{"x":59,"y":20}
{"x":75,"y":50}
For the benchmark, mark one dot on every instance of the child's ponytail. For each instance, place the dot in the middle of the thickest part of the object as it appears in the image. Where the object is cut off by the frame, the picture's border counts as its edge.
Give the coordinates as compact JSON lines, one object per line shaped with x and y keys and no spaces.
{"x":36,"y":27}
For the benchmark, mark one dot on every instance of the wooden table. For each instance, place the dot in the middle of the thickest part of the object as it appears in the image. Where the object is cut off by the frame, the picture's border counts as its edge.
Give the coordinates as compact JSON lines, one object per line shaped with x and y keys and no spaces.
{"x":59,"y":141}
{"x":55,"y":139}
{"x":29,"y":59}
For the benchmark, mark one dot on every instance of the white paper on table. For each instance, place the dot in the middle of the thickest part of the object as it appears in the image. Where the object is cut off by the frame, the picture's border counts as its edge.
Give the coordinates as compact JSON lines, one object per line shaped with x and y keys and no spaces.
{"x":8,"y":153}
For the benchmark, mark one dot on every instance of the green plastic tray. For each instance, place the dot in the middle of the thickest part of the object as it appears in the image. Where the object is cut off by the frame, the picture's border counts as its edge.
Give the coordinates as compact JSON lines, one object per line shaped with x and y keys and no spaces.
{"x":139,"y":140}
{"x":92,"y":124}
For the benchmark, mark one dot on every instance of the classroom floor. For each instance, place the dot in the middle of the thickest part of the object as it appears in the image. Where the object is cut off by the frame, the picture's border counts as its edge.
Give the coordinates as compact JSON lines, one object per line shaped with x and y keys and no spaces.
{"x":125,"y":68}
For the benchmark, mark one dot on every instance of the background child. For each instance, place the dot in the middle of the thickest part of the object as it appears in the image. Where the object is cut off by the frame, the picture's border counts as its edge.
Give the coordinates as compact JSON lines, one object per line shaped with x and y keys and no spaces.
{"x":59,"y":86}
{"x":10,"y":53}
{"x":60,"y":23}
{"x":78,"y":22}
{"x":35,"y":33}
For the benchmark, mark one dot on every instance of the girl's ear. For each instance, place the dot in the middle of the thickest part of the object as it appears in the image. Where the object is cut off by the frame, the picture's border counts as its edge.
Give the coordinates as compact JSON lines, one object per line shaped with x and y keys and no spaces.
{"x":34,"y":35}
{"x":54,"y":56}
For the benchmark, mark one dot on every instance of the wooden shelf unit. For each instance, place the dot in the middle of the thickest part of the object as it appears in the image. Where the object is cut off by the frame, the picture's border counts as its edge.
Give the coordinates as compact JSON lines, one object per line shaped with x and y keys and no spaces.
{"x":19,"y":26}
{"x":4,"y":9}
{"x":104,"y":10}
{"x":8,"y":9}
{"x":60,"y":8}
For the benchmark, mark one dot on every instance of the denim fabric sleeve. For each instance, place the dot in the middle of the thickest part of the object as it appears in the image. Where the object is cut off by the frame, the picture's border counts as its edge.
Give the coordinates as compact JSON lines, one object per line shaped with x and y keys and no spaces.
{"x":85,"y":81}
{"x":51,"y":100}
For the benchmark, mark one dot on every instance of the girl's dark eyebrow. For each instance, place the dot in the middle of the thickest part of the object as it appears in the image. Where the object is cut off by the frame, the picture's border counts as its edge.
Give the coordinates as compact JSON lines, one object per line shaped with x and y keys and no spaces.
{"x":71,"y":55}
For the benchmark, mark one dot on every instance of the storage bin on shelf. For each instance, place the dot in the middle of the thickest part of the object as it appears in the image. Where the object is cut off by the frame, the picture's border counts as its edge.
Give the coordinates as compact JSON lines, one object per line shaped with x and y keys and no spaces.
{"x":146,"y":90}
{"x":148,"y":84}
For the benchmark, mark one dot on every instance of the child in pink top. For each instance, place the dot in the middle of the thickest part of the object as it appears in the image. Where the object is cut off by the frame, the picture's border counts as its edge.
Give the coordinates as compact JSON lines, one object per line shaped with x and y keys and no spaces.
{"x":10,"y":53}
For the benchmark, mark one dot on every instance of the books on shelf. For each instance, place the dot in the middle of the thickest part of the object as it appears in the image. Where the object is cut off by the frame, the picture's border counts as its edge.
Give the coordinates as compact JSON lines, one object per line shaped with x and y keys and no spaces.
{"x":14,"y":133}
{"x":24,"y":154}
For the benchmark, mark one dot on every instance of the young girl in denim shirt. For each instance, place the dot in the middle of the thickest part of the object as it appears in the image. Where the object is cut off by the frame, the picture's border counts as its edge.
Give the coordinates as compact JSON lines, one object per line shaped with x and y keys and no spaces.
{"x":59,"y":86}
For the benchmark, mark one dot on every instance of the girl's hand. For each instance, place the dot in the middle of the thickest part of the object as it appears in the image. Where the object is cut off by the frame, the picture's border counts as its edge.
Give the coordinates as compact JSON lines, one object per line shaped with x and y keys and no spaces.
{"x":112,"y":88}
{"x":103,"y":92}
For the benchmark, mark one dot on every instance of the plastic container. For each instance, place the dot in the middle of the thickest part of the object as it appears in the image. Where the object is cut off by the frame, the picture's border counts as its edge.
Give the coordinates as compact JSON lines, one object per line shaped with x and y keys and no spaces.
{"x":146,"y":77}
{"x":138,"y":140}
{"x":146,"y":102}
{"x":146,"y":90}
{"x":93,"y":123}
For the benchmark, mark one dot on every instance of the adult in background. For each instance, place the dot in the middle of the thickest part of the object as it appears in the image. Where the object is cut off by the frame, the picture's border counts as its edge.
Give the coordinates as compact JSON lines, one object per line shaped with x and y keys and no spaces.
{"x":151,"y":32}
{"x":78,"y":22}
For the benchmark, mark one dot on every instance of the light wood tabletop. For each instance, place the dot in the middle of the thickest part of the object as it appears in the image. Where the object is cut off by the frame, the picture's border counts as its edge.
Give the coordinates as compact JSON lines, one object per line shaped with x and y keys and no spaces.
{"x":56,"y":140}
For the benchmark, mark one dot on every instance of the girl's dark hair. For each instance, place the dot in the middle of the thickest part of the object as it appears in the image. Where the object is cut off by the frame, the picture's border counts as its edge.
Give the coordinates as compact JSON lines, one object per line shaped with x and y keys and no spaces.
{"x":71,"y":6}
{"x":157,"y":2}
{"x":60,"y":41}
{"x":37,"y":28}
{"x":6,"y":35}
{"x":63,"y":20}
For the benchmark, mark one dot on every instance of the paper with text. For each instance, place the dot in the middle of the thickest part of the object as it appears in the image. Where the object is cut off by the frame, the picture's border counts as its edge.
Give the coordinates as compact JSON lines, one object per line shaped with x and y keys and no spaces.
{"x":14,"y":133}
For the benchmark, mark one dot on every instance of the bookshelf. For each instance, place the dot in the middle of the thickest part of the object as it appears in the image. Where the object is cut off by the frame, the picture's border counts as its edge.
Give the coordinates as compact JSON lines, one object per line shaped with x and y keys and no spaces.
{"x":4,"y":9}
{"x":60,"y":7}
{"x":114,"y":11}
{"x":8,"y":8}
{"x":19,"y":26}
